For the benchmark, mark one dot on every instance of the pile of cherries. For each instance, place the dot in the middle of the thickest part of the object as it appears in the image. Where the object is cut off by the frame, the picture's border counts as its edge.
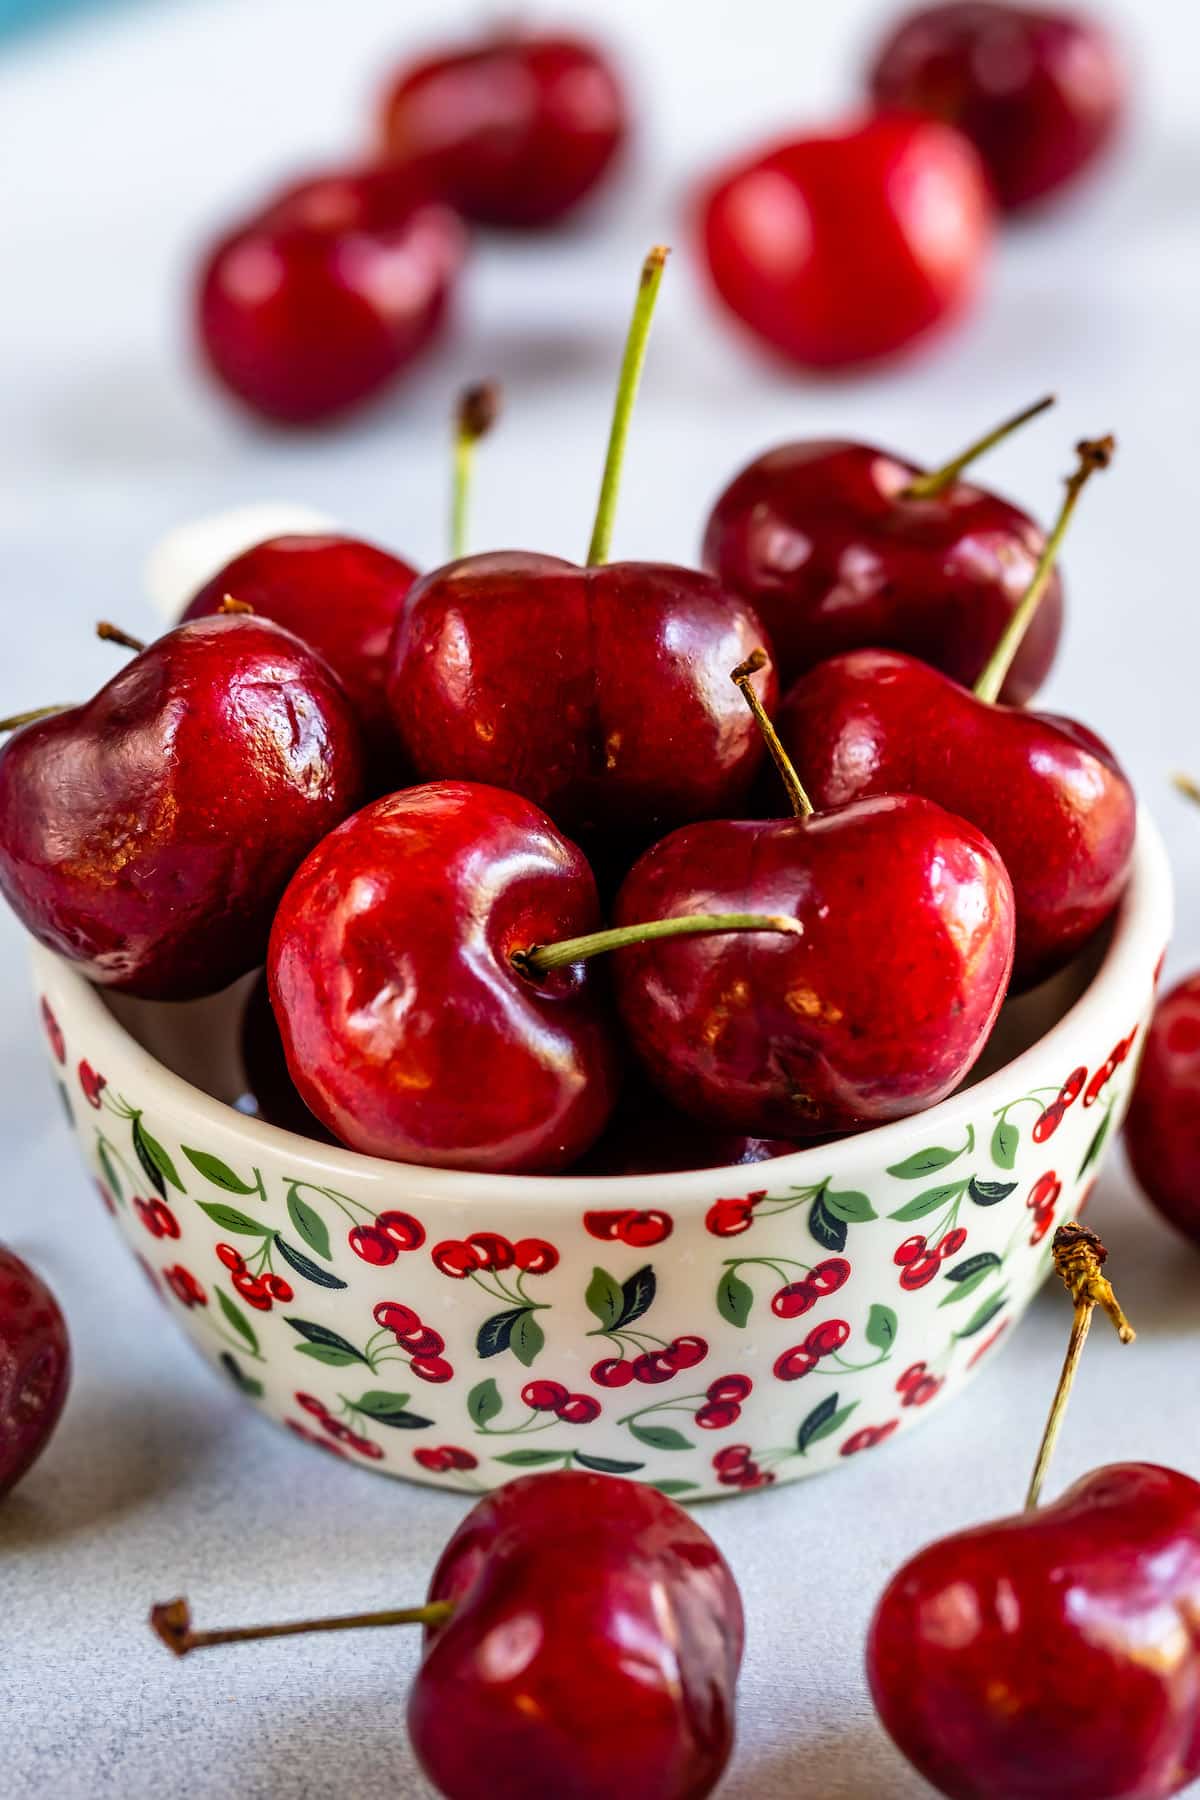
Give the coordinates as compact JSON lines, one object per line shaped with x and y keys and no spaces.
{"x":548,"y":744}
{"x":833,"y":248}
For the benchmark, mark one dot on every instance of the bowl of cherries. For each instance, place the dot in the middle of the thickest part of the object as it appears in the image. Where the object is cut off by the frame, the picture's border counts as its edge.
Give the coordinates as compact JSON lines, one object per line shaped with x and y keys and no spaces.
{"x":616,"y":1017}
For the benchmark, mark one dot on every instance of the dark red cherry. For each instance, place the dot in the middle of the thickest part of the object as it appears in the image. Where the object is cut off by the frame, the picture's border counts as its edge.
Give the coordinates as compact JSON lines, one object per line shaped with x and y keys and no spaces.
{"x":545,"y":1396}
{"x":1040,"y":94}
{"x":840,"y":546}
{"x":494,"y":1251}
{"x":555,"y":1568}
{"x":612,"y":1372}
{"x":688,"y":1350}
{"x":338,"y":594}
{"x":878,"y":1009}
{"x":639,"y":729}
{"x":148,"y":835}
{"x":795,"y":1363}
{"x":796,"y":1298}
{"x":730,"y":1387}
{"x":514,"y":129}
{"x":579,"y":1409}
{"x":533,"y":1255}
{"x":827,"y":1337}
{"x":405,"y":1232}
{"x":270,"y":1093}
{"x":392,"y":976}
{"x":644,"y":1137}
{"x":1162,"y":1132}
{"x":395,"y":1317}
{"x":35,"y":1367}
{"x":851,"y":245}
{"x":372,"y":1245}
{"x":322,"y":298}
{"x":718,"y":1415}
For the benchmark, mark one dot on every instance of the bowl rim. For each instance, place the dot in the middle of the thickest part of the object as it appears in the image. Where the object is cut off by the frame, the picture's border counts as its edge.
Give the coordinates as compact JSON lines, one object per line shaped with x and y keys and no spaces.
{"x":1143,"y":924}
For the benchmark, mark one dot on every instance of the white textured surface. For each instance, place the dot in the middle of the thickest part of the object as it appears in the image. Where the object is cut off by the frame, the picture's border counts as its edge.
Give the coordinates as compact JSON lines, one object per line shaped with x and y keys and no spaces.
{"x":132,"y":134}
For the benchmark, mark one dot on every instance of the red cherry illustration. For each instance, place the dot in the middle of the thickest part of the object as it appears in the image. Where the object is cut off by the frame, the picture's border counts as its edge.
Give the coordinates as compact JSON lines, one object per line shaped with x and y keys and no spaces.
{"x":229,"y":1255}
{"x":830,"y":1275}
{"x":545,"y":1396}
{"x":909,"y":1252}
{"x":421,"y":1340}
{"x":185,"y":1287}
{"x":652,"y":1367}
{"x":604,"y":1225}
{"x":794,"y":1363}
{"x":494,"y":1252}
{"x":796,"y":1298}
{"x":868,"y":1437}
{"x":827,"y":1337}
{"x":730,"y":1387}
{"x":374,"y":1246}
{"x":1049,"y":1122}
{"x":53,"y":1032}
{"x":533,"y":1255}
{"x":436,"y":1461}
{"x":729,"y":1218}
{"x":612,"y":1372}
{"x":93,"y":1085}
{"x":1072,"y":1087}
{"x":911,"y":1376}
{"x":405,"y":1232}
{"x":431,"y":1368}
{"x":643,"y":1229}
{"x":395,"y":1317}
{"x":718,"y":1414}
{"x":579,"y":1409}
{"x":920,"y":1273}
{"x":733,"y":1457}
{"x":457,"y":1259}
{"x":952,"y":1243}
{"x":688,"y":1351}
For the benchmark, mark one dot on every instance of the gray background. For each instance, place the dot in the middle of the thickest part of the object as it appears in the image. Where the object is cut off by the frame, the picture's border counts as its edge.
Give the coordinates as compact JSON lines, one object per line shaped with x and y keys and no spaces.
{"x":123,"y":139}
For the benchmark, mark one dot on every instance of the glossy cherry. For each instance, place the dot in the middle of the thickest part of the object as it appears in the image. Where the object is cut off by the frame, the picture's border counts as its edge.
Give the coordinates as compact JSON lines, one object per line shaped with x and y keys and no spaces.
{"x":1040,"y":94}
{"x":601,"y":693}
{"x":1162,"y":1132}
{"x":514,"y":129}
{"x":270,"y":1093}
{"x":35,"y":1367}
{"x":844,"y":247}
{"x":644,"y":1137}
{"x":878,"y":1008}
{"x":1053,"y":1655}
{"x":1047,"y":791}
{"x":323,"y":297}
{"x":840,"y":546}
{"x":552,"y":1575}
{"x":149,"y":834}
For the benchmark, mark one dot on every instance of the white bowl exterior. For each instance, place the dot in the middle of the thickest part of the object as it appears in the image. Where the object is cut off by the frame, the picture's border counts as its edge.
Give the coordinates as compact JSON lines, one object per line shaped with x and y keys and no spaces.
{"x":967,"y":1166}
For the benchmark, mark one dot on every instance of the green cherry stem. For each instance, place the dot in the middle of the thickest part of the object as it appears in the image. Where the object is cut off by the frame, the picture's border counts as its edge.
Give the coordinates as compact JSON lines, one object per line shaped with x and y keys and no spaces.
{"x":801,"y":805}
{"x":172,"y":1623}
{"x":476,"y":413}
{"x":1093,"y":454}
{"x":539,"y":959}
{"x":928,"y":487}
{"x":1078,"y":1258}
{"x":30,"y":718}
{"x":112,"y":634}
{"x":627,"y":387}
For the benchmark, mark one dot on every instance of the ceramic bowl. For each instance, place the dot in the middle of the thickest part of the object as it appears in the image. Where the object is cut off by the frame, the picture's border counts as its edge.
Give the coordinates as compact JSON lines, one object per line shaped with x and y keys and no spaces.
{"x":709,"y":1332}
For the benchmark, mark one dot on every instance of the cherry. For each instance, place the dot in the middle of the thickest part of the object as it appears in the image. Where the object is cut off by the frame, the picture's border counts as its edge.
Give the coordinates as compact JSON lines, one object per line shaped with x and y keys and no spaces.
{"x":733,"y":1457}
{"x":1072,"y":1087}
{"x":513,"y":129}
{"x":431,"y":1368}
{"x":845,"y":247}
{"x":869,"y":1438}
{"x":556,"y":1566}
{"x":422,"y":1341}
{"x":730,"y":1387}
{"x":339,"y":595}
{"x":456,"y":1259}
{"x":878,"y":1008}
{"x":395,"y":1317}
{"x":795,"y":1362}
{"x":54,"y":1035}
{"x":716,"y":1415}
{"x":535,"y":1256}
{"x":148,"y":835}
{"x":796,"y":1298}
{"x":545,"y":1396}
{"x":653,"y":1366}
{"x":827,"y":1337}
{"x":405,"y":1232}
{"x":279,"y":1289}
{"x":188,"y":1291}
{"x":729,"y":1218}
{"x":1039,"y":94}
{"x":644,"y":1137}
{"x":493,"y":1251}
{"x":1049,"y":1122}
{"x":311,"y":1404}
{"x":1050,"y":1654}
{"x":922,"y":1391}
{"x":464,"y":889}
{"x":612,"y":1372}
{"x":840,"y":546}
{"x":579,"y":1409}
{"x":270,"y":1092}
{"x":920,"y":1273}
{"x":911,"y":1378}
{"x":323,"y":297}
{"x":461,"y":1459}
{"x":688,"y":1351}
{"x":638,"y":730}
{"x":910,"y":1252}
{"x":35,"y":1367}
{"x":92,"y":1085}
{"x":1162,"y":1132}
{"x":1047,"y":792}
{"x":952,"y":1243}
{"x":830,"y":1275}
{"x":231,"y":1257}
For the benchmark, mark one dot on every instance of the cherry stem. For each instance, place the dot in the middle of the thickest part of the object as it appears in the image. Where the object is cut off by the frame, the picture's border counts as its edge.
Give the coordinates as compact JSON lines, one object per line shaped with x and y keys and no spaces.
{"x":476,"y":413}
{"x":112,"y":634}
{"x":1078,"y":1259}
{"x":801,"y":805}
{"x":1093,"y":454}
{"x":230,"y":605}
{"x":627,"y":387}
{"x":30,"y":718}
{"x":539,"y":959}
{"x":928,"y":487}
{"x":1185,"y":784}
{"x":172,"y":1623}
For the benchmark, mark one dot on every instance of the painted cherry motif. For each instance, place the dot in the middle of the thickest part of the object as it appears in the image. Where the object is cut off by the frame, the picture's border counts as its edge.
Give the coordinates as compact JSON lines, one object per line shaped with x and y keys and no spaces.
{"x":382,"y":1242}
{"x":445,"y":1458}
{"x":35,"y":1367}
{"x":93,"y":1085}
{"x":729,"y":1218}
{"x":841,"y":546}
{"x":338,"y":1429}
{"x":157,"y":1217}
{"x":917,"y":1385}
{"x":53,"y":1031}
{"x":186,"y":1289}
{"x":841,"y":248}
{"x":629,"y":1226}
{"x":868,"y":1437}
{"x":594,"y":1565}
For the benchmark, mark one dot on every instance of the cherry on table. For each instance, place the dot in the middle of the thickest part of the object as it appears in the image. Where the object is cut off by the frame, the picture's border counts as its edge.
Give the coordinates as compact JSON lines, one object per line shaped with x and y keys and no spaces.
{"x":840,"y":546}
{"x":1041,"y":94}
{"x":148,"y":834}
{"x":1047,"y":791}
{"x":1162,"y":1131}
{"x":846,"y":246}
{"x":324,"y":296}
{"x":561,"y":1569}
{"x":35,"y":1367}
{"x":514,"y":129}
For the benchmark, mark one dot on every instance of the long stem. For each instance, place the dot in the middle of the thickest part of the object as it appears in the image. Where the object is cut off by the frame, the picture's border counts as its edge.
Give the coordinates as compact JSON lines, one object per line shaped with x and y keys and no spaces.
{"x":1184,"y":784}
{"x":1078,"y":1258}
{"x":1093,"y":454}
{"x":801,"y":805}
{"x":112,"y":634}
{"x":477,"y":411}
{"x":30,"y":718}
{"x":627,"y":387}
{"x":539,"y":959}
{"x":172,"y":1622}
{"x":928,"y":487}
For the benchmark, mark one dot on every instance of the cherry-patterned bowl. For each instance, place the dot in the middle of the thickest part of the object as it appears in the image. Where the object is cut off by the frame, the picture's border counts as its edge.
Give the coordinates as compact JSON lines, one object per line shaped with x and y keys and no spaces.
{"x":710,"y":1332}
